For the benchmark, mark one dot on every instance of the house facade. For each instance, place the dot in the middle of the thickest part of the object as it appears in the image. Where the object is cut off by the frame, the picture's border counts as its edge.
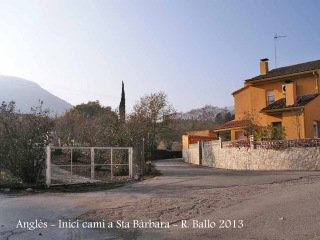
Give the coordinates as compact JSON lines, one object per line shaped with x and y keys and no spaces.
{"x":285,"y":97}
{"x":196,"y":136}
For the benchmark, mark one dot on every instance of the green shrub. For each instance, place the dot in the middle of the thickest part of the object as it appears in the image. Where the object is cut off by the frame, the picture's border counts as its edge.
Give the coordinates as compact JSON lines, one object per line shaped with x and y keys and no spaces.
{"x":120,"y":171}
{"x":75,"y":156}
{"x":23,"y":138}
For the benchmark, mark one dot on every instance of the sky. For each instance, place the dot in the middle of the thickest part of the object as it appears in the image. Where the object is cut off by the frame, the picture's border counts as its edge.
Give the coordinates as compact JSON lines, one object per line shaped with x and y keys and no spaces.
{"x":198,"y":52}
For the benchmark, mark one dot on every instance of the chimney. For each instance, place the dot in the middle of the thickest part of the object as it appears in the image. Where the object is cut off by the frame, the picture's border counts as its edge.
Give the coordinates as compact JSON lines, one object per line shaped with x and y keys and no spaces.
{"x":291,"y":95}
{"x":264,"y":68}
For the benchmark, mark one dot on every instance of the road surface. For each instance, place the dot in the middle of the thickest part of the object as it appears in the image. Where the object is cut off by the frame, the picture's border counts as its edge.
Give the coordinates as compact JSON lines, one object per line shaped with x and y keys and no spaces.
{"x":194,"y":202}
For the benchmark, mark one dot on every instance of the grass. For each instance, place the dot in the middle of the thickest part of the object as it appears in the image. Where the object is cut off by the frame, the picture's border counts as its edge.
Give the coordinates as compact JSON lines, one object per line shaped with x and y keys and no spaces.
{"x":85,"y":187}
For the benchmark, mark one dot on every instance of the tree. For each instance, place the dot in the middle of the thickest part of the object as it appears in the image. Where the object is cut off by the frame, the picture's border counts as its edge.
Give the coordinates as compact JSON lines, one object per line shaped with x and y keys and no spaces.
{"x":87,"y":125}
{"x":204,"y":114}
{"x":297,"y":121}
{"x":251,"y":124}
{"x":229,"y":117}
{"x":89,"y":109}
{"x":271,"y":132}
{"x":199,"y":119}
{"x":23,"y":138}
{"x":220,"y":118}
{"x":151,"y":118}
{"x":122,"y":106}
{"x":223,"y":117}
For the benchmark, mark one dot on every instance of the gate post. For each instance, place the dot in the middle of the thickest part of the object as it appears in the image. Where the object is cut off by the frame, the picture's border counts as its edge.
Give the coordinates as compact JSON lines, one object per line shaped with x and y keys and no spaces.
{"x":111,"y":165}
{"x":92,"y":164}
{"x":200,"y":146}
{"x":48,"y":166}
{"x":130,"y":150}
{"x":251,"y":140}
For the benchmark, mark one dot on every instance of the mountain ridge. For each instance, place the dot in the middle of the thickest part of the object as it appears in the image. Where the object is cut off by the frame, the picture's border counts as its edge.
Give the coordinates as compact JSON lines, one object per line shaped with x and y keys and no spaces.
{"x":27,"y":94}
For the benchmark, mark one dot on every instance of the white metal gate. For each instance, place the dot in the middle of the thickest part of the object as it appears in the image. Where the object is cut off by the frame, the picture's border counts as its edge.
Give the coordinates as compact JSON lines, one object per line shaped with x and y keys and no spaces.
{"x":67,"y":167}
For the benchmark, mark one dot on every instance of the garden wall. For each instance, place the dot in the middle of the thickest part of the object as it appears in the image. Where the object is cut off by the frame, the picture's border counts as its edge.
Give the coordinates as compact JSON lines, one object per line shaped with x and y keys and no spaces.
{"x":192,"y":154}
{"x":267,"y":155}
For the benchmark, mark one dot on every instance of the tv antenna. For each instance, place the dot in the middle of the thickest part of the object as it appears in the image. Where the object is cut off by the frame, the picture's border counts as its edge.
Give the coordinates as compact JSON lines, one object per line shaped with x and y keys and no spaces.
{"x":275,"y":48}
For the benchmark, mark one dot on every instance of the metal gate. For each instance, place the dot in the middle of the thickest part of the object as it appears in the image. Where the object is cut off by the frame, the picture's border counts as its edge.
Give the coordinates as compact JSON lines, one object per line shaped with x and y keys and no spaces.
{"x":68,"y":165}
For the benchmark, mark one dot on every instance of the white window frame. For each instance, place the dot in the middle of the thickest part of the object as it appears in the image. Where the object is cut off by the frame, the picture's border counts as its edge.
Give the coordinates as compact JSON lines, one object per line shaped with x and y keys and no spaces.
{"x":270,"y":93}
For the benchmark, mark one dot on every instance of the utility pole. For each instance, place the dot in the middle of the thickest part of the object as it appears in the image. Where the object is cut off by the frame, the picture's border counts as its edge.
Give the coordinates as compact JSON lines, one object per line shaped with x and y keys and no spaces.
{"x":275,"y":48}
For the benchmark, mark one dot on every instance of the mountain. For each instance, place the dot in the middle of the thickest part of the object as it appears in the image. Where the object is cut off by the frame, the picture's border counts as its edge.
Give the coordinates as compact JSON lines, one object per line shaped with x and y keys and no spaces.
{"x":27,"y":94}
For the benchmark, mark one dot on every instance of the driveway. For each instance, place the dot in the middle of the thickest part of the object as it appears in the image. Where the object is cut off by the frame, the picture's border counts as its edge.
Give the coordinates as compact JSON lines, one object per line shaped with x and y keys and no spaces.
{"x":212,"y":204}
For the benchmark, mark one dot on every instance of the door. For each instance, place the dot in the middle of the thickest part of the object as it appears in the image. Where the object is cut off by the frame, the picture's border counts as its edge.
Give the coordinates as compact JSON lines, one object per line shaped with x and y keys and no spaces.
{"x":239,"y":135}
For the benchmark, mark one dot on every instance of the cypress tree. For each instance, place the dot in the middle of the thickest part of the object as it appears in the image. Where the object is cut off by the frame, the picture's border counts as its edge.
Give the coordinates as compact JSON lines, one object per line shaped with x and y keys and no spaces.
{"x":122,"y":107}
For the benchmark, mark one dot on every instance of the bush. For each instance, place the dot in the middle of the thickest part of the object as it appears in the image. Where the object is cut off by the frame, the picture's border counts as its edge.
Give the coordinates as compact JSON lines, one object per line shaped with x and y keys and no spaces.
{"x":120,"y":157}
{"x":120,"y":171}
{"x":75,"y":156}
{"x":271,"y":133}
{"x":23,"y":138}
{"x":57,"y":151}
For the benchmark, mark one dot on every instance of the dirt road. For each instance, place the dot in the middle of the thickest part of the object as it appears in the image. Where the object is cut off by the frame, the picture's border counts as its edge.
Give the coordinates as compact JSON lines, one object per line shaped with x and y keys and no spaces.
{"x":196,"y":202}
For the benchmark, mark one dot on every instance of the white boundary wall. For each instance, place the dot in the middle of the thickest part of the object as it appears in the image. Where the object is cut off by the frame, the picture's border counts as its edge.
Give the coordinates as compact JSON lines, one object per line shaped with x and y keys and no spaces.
{"x":301,"y":154}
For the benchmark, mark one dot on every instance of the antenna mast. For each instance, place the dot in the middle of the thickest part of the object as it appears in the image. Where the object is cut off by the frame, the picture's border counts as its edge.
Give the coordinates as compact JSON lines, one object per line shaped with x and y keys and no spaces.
{"x":275,"y":48}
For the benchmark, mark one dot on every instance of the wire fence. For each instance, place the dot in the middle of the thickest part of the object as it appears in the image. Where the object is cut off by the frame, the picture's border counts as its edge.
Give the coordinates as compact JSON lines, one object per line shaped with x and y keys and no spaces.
{"x":70,"y":165}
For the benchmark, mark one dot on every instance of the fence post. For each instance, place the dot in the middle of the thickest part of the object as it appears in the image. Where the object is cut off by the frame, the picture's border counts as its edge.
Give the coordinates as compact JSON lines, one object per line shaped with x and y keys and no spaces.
{"x":130,"y":150}
{"x":220,"y":142}
{"x":143,"y":161}
{"x":48,"y":166}
{"x":111,"y":165}
{"x":71,"y":162}
{"x":92,"y":164}
{"x":201,"y":143}
{"x":198,"y":155}
{"x":251,"y":140}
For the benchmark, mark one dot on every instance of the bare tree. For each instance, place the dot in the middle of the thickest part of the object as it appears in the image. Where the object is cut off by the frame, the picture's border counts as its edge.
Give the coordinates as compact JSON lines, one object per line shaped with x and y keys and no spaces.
{"x":297,"y":121}
{"x":151,"y":118}
{"x":251,"y":124}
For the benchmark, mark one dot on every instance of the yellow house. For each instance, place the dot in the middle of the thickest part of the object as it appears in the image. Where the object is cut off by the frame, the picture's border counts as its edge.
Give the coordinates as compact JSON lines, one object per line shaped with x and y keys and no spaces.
{"x":196,"y":136}
{"x":286,"y":96}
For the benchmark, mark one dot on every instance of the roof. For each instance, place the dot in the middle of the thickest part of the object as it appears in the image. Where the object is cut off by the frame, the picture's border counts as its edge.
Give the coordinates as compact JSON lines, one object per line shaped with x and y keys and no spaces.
{"x":239,"y":90}
{"x":302,"y":67}
{"x":300,"y":102}
{"x":199,"y":136}
{"x":199,"y":131}
{"x":231,"y":124}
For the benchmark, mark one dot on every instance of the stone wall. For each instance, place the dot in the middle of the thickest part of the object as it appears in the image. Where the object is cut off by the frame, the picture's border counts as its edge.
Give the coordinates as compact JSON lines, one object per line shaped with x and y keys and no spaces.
{"x":208,"y":153}
{"x":243,"y":157}
{"x":192,"y":154}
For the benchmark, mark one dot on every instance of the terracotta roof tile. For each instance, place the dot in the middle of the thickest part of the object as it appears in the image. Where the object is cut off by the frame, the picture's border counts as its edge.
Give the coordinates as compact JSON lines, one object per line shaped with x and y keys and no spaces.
{"x":300,"y":102}
{"x":302,"y":67}
{"x":232,"y":124}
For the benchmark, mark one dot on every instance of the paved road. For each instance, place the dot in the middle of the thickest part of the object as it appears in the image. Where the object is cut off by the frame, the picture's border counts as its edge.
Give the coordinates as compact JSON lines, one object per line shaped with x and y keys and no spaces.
{"x":272,"y":205}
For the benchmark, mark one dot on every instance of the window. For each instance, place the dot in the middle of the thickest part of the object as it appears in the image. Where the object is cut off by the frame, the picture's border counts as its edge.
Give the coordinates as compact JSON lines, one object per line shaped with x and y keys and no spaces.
{"x":315,"y":129}
{"x":270,"y":97}
{"x":277,"y":124}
